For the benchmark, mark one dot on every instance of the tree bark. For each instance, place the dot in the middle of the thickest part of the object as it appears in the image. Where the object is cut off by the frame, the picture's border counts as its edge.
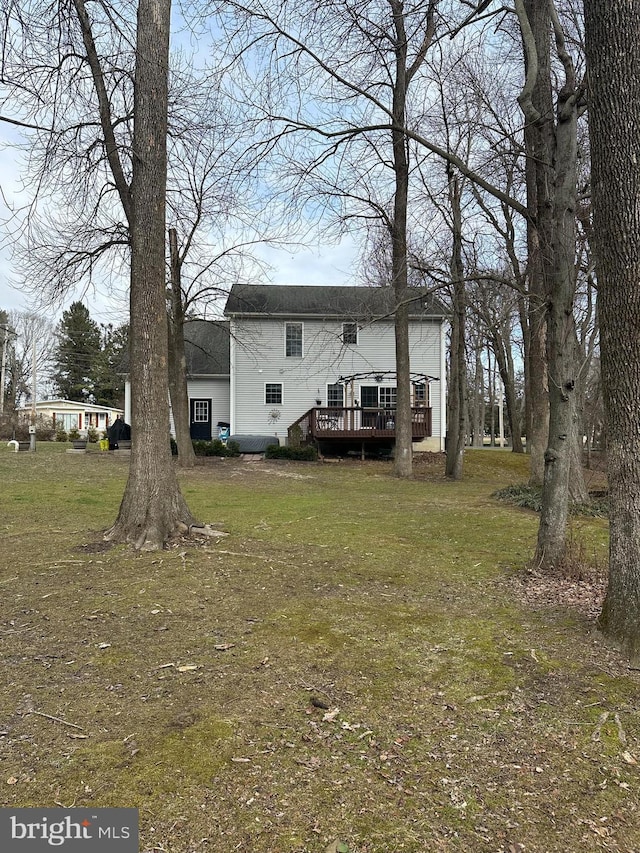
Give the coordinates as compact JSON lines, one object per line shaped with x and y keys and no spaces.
{"x":457,"y":391}
{"x":556,"y":227}
{"x":403,"y":460}
{"x":613,"y":55}
{"x":178,"y":361}
{"x":152,"y":508}
{"x":539,"y":141}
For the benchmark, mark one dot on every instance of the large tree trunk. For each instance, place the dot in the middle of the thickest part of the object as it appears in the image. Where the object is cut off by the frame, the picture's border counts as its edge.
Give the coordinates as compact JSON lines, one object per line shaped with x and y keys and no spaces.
{"x":561,"y":359}
{"x":457,"y":391}
{"x":613,"y":56}
{"x":178,"y":361}
{"x":539,"y":141}
{"x":153,"y":507}
{"x":403,"y":460}
{"x":556,"y":226}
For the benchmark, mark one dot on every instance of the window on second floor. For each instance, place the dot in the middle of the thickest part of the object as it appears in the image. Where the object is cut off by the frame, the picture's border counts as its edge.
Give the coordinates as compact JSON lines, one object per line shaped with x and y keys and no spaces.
{"x":293,"y":340}
{"x":349,"y":333}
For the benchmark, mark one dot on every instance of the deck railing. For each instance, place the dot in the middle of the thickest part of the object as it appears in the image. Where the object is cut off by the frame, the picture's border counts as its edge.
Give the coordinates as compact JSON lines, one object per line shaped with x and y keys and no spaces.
{"x":345,"y":423}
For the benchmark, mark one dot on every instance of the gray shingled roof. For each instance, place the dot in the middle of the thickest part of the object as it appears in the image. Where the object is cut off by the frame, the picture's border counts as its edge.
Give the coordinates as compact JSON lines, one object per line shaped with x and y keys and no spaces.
{"x":206,"y":344}
{"x":323,"y":301}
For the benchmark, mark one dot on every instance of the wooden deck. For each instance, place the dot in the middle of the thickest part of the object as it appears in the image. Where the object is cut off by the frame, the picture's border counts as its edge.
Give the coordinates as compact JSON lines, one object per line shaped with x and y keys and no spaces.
{"x":325,"y":424}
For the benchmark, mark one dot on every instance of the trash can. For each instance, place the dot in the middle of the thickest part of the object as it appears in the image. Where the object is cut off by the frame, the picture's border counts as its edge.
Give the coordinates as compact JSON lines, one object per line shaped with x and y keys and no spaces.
{"x":223,"y":430}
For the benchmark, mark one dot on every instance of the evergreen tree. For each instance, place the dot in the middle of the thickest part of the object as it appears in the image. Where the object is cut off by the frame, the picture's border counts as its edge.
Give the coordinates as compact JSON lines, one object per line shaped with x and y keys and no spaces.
{"x":111,"y":365}
{"x":76,"y":354}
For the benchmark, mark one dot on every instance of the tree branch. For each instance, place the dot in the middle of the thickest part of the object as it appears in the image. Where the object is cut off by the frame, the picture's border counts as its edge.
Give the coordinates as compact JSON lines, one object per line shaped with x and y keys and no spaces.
{"x":106,"y":121}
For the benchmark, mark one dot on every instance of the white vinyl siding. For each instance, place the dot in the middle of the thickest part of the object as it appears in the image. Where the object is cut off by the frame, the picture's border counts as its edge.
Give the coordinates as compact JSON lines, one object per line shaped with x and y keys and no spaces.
{"x":261,"y":359}
{"x":217,"y":391}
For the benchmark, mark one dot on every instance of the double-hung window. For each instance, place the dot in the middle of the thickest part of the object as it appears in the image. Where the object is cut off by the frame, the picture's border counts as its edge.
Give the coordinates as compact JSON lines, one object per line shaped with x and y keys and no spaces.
{"x":273,"y":393}
{"x":335,"y":396}
{"x":293,"y":340}
{"x":420,"y":394}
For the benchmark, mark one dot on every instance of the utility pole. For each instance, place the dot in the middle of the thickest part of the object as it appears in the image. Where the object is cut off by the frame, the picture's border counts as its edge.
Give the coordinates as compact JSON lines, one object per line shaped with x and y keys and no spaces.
{"x":32,"y":428}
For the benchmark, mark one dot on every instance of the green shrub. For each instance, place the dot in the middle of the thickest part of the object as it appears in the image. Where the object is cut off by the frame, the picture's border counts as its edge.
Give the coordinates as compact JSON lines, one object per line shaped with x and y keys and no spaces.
{"x":215,"y":448}
{"x":45,"y":432}
{"x":74,"y":435}
{"x":61,"y":434}
{"x":92,"y":435}
{"x":295,"y":436}
{"x":299,"y":454}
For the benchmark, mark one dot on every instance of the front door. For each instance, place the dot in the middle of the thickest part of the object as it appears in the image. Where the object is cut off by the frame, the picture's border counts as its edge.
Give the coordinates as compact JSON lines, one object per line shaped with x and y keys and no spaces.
{"x":200,"y":415}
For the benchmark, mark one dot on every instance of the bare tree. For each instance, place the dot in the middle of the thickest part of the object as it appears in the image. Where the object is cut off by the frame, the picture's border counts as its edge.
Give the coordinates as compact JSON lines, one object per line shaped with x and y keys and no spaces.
{"x":153,"y":508}
{"x":366,"y":58}
{"x":556,"y":230}
{"x":613,"y":58}
{"x":457,"y":393}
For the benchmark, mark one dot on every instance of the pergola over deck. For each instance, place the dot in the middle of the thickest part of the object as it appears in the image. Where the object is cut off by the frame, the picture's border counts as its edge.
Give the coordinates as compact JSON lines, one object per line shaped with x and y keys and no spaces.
{"x":374,"y":426}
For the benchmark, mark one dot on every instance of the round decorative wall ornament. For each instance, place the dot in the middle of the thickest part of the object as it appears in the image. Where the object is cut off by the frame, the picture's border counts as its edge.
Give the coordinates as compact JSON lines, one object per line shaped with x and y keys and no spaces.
{"x":274,"y":416}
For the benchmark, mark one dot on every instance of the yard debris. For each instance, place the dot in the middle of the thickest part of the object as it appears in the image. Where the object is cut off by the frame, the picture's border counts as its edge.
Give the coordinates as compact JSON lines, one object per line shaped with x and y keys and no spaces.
{"x":223,"y":647}
{"x":331,"y":715}
{"x":189,"y":667}
{"x":55,"y":719}
{"x":206,"y":530}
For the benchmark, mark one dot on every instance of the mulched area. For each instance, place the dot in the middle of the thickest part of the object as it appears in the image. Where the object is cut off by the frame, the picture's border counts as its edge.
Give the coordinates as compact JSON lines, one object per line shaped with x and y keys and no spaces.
{"x":543,"y":590}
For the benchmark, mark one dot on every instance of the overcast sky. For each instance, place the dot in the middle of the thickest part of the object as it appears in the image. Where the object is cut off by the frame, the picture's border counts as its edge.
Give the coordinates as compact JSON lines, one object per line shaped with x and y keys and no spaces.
{"x":318,"y":264}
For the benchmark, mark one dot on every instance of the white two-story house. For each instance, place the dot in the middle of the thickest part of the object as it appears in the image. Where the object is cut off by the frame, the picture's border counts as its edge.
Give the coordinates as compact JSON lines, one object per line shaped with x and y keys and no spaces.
{"x":314,"y":364}
{"x":321,"y":361}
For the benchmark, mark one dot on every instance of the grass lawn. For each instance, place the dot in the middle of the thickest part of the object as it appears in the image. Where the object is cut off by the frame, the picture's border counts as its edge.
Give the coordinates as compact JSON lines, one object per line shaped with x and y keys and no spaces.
{"x":351,"y":664}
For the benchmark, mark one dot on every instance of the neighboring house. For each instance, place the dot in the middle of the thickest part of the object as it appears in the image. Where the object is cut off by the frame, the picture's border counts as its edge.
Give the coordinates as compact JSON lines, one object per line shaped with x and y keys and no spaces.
{"x":208,"y":388}
{"x":323,"y":358}
{"x":69,"y":414}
